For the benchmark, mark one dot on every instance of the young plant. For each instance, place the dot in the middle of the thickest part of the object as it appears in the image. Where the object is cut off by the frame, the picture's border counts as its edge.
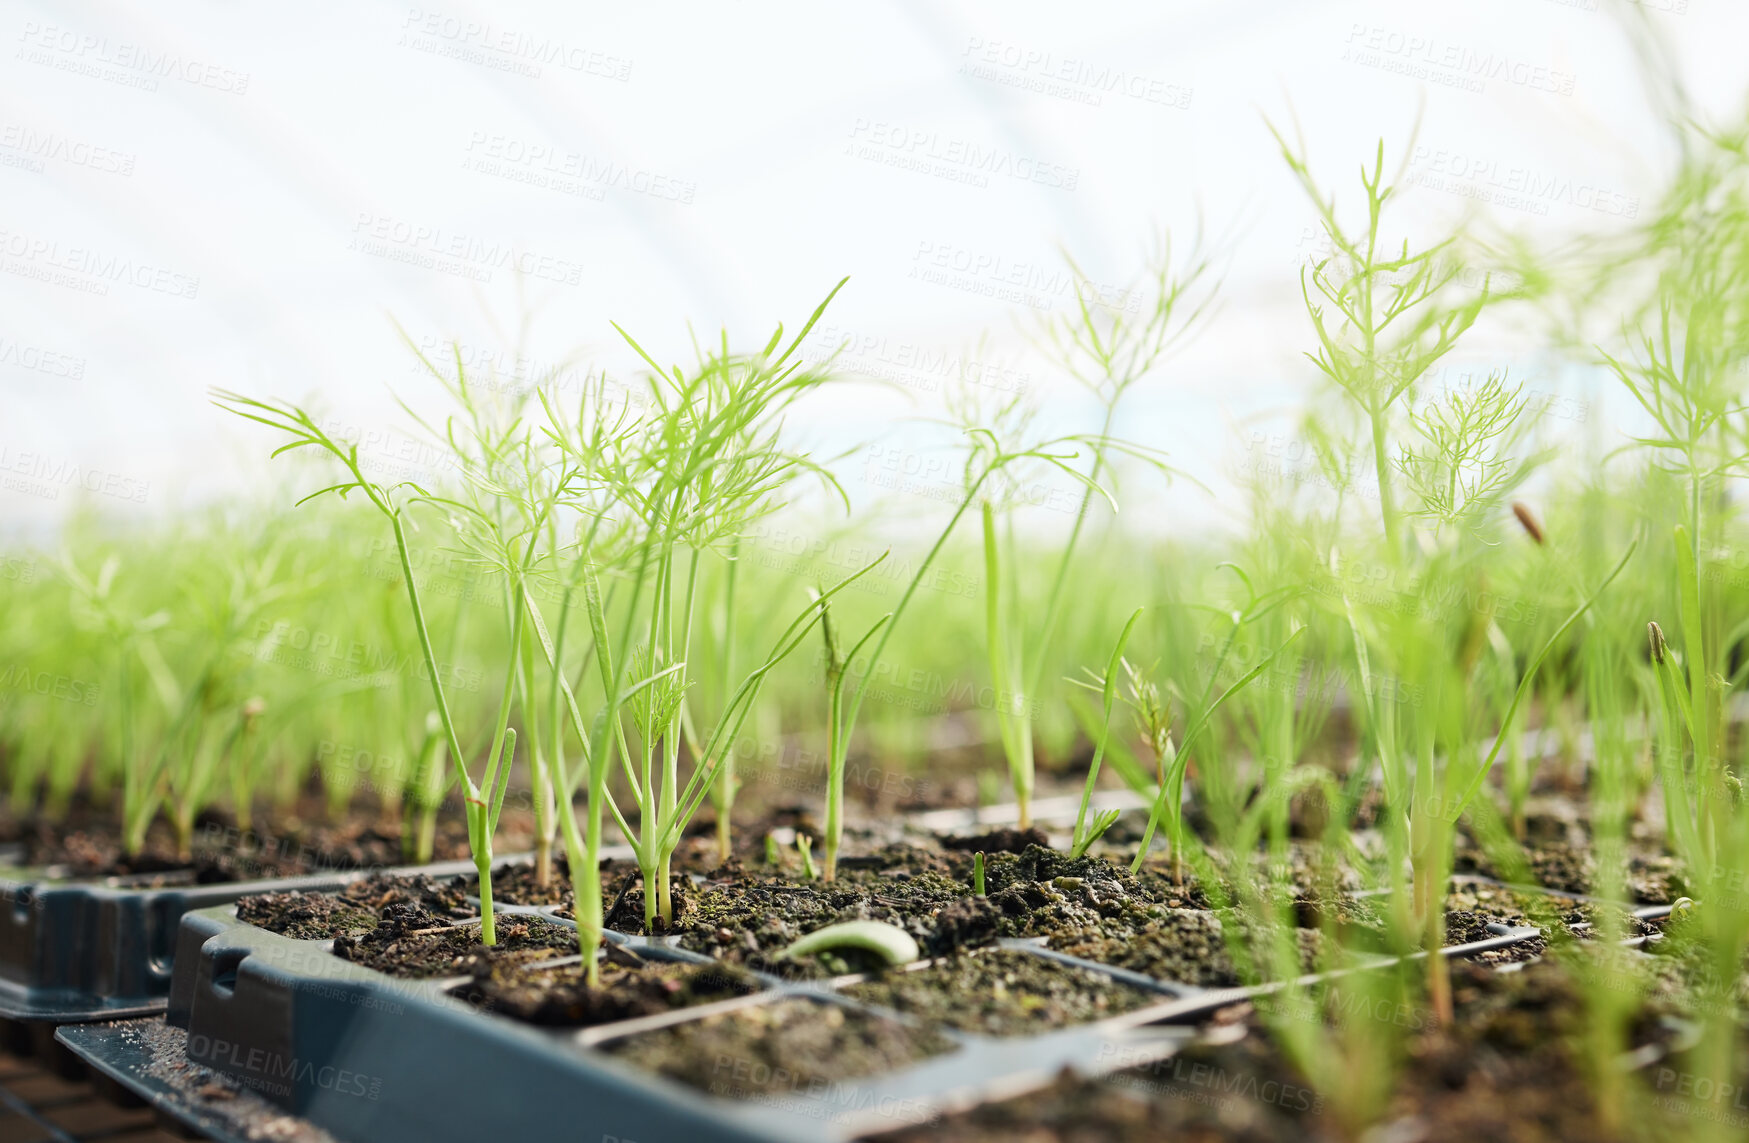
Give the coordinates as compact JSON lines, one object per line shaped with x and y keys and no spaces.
{"x":1172,"y":761}
{"x":728,"y":783}
{"x":1088,"y":832}
{"x":1107,"y":349}
{"x":704,"y":463}
{"x":126,"y":634}
{"x":1389,"y":318}
{"x":1345,"y":1027}
{"x":993,"y":452}
{"x":836,"y":664}
{"x":211,"y":723}
{"x":484,"y":800}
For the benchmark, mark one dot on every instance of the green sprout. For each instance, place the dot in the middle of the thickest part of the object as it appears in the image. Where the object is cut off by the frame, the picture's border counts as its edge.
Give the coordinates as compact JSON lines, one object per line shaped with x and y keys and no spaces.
{"x":703,"y":462}
{"x":837,"y":753}
{"x":484,"y":800}
{"x":1087,"y":832}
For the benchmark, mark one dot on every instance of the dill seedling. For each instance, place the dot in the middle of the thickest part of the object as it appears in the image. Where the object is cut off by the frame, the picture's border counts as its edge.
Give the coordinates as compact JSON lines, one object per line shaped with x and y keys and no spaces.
{"x":701,"y":463}
{"x":1107,"y":349}
{"x":484,"y":800}
{"x":1088,"y":832}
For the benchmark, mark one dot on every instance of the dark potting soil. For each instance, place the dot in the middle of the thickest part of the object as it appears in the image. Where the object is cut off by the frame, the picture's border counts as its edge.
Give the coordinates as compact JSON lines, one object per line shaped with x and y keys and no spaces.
{"x":697,"y":854}
{"x":1566,"y":864}
{"x":355,"y":909}
{"x":1508,"y":1069}
{"x":1237,"y":1092}
{"x":1002,"y":992}
{"x":306,"y":916}
{"x":1043,"y":893}
{"x":1188,"y":946}
{"x":414,"y":943}
{"x":782,"y":1050}
{"x":1038,"y":863}
{"x":279,"y":847}
{"x":1463,"y":927}
{"x":1686,"y":966}
{"x":1508,"y":1066}
{"x":1556,"y":918}
{"x":1006,"y":840}
{"x":1303,"y":869}
{"x":1184,"y":946}
{"x":516,"y":884}
{"x":561,"y":996}
{"x":749,"y":918}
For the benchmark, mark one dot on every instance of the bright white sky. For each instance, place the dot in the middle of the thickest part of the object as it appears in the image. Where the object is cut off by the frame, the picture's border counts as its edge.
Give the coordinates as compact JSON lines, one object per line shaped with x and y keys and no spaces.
{"x":197,"y":194}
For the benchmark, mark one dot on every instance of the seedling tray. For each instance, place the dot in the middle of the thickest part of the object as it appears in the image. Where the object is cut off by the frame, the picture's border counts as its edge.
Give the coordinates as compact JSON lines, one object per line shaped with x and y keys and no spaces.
{"x":130,"y":1057}
{"x":101,"y":949}
{"x":371,"y":1057}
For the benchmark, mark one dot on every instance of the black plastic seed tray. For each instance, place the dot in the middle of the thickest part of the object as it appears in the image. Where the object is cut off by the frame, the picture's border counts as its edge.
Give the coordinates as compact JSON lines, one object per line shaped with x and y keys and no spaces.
{"x":144,"y":1059}
{"x":368,"y":1057}
{"x":76,"y":950}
